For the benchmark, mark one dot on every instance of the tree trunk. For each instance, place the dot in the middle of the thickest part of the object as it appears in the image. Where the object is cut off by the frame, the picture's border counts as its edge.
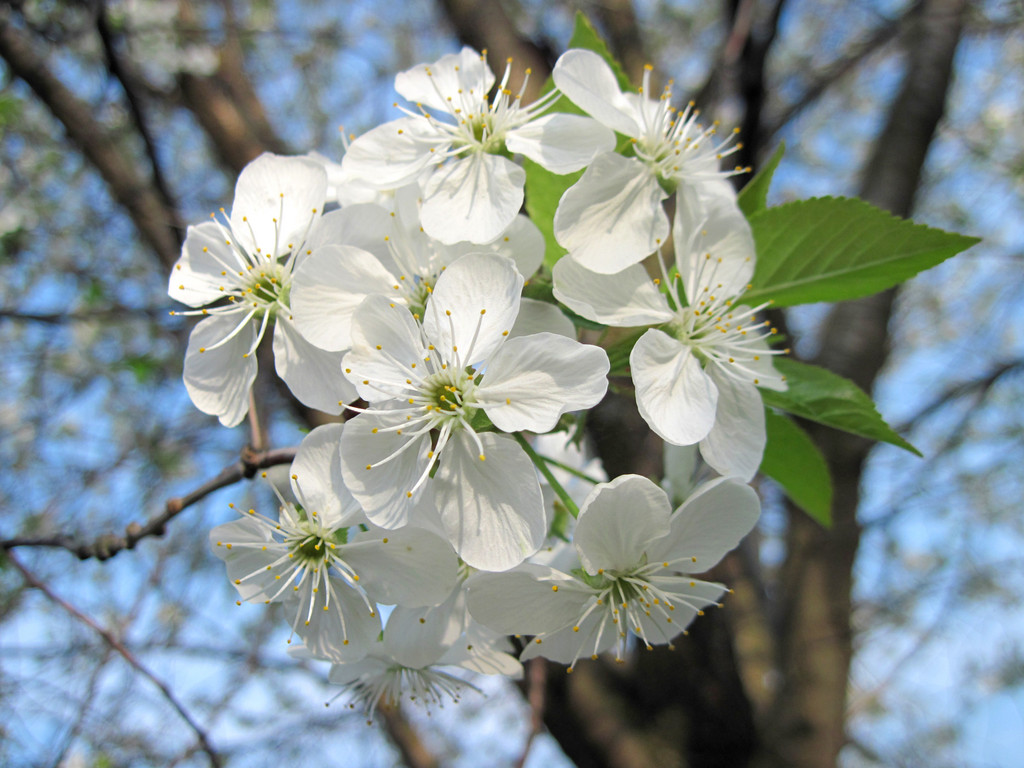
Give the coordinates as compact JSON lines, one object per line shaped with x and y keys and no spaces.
{"x":817,"y":579}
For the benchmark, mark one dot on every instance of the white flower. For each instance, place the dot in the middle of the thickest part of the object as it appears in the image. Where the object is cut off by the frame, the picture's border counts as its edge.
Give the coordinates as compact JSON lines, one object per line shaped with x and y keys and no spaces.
{"x":478,"y":192}
{"x":635,"y":558}
{"x":434,"y":388}
{"x":613,"y":217}
{"x":323,"y":561}
{"x":696,"y":374}
{"x":417,"y":655}
{"x":243,"y":265}
{"x":370,"y":250}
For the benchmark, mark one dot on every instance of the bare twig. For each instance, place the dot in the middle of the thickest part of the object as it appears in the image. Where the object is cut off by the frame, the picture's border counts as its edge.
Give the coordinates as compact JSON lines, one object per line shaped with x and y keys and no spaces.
{"x":112,"y":314}
{"x":201,"y":737}
{"x":414,"y":752}
{"x":838,"y":69}
{"x":536,"y":685}
{"x":109,"y":544}
{"x":127,"y":81}
{"x":101,"y":147}
{"x":979,"y":387}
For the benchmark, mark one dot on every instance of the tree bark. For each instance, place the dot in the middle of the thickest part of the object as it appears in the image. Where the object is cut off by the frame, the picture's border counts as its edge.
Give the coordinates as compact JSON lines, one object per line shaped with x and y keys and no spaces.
{"x":817,"y":580}
{"x":131,"y":189}
{"x":225,"y":103}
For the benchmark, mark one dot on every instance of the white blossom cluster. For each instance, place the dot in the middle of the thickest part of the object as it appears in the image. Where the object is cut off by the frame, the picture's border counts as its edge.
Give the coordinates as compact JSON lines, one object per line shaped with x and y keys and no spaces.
{"x":402,"y":305}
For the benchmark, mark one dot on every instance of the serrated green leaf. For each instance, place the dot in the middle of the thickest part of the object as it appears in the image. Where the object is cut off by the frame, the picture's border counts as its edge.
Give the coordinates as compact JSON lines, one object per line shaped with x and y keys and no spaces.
{"x":754,"y":196}
{"x":827,"y":398}
{"x":793,"y":461}
{"x":832,"y":249}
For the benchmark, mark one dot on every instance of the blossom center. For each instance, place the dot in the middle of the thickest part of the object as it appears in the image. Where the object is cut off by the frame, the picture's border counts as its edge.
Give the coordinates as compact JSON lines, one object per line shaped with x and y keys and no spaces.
{"x":267,"y":288}
{"x":449,"y":395}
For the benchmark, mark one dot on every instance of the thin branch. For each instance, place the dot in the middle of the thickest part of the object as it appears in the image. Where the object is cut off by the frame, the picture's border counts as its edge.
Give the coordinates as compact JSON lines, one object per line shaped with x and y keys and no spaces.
{"x":980,"y":386}
{"x":414,"y":752}
{"x":109,"y":544}
{"x":536,"y":685}
{"x":101,"y":315}
{"x":117,"y":645}
{"x":838,"y":69}
{"x":132,"y":192}
{"x":124,"y":77}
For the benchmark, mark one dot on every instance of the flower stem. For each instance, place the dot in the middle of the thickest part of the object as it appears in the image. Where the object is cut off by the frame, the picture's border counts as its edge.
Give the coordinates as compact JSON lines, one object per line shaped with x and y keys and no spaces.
{"x":541,"y":463}
{"x":571,"y":470}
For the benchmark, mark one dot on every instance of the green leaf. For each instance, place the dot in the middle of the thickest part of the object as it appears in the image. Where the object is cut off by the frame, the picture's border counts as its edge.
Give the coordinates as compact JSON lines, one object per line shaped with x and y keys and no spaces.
{"x":543,"y":191}
{"x":832,"y":249}
{"x":543,"y":188}
{"x":754,"y":196}
{"x":585,"y":36}
{"x":827,"y":398}
{"x":793,"y":461}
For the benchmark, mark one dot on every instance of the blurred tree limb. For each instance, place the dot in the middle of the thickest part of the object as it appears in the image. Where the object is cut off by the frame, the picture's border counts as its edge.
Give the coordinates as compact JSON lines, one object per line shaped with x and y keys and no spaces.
{"x":132,"y":190}
{"x":109,"y":544}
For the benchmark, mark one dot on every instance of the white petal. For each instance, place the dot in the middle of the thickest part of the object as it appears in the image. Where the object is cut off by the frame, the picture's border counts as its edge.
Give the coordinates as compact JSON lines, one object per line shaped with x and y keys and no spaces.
{"x":316,"y":477}
{"x":276,"y":200}
{"x":523,"y":601}
{"x":218,"y":380}
{"x":709,"y":222}
{"x":456,"y":76}
{"x":328,"y":286}
{"x":735,"y":445}
{"x":409,"y":566}
{"x":382,"y":491}
{"x":394,"y":154}
{"x":561,"y":143}
{"x":522,"y":242}
{"x":199,"y":275}
{"x":709,"y":524}
{"x":541,"y":317}
{"x":691,"y":595}
{"x":374,"y":666}
{"x":419,"y":637}
{"x":243,"y":546}
{"x":484,"y":661}
{"x":532,"y":380}
{"x":612,"y":217}
{"x":474,"y":302}
{"x":764,"y":369}
{"x":622,"y":299}
{"x":590,"y":84}
{"x":386,"y":349}
{"x":473,"y":198}
{"x":569,"y":645}
{"x":312,"y":374}
{"x":364,"y":226}
{"x":618,"y":521}
{"x":673,"y":394}
{"x":492,"y":509}
{"x":345,"y":632}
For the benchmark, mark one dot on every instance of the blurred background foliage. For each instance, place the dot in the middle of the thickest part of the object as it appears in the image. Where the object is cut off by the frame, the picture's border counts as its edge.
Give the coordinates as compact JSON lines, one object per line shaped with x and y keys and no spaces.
{"x":96,"y":430}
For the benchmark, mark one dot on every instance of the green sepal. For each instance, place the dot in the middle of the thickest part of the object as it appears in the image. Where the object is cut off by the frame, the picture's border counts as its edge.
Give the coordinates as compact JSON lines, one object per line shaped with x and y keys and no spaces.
{"x":480,"y":422}
{"x":819,"y":395}
{"x":793,"y":461}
